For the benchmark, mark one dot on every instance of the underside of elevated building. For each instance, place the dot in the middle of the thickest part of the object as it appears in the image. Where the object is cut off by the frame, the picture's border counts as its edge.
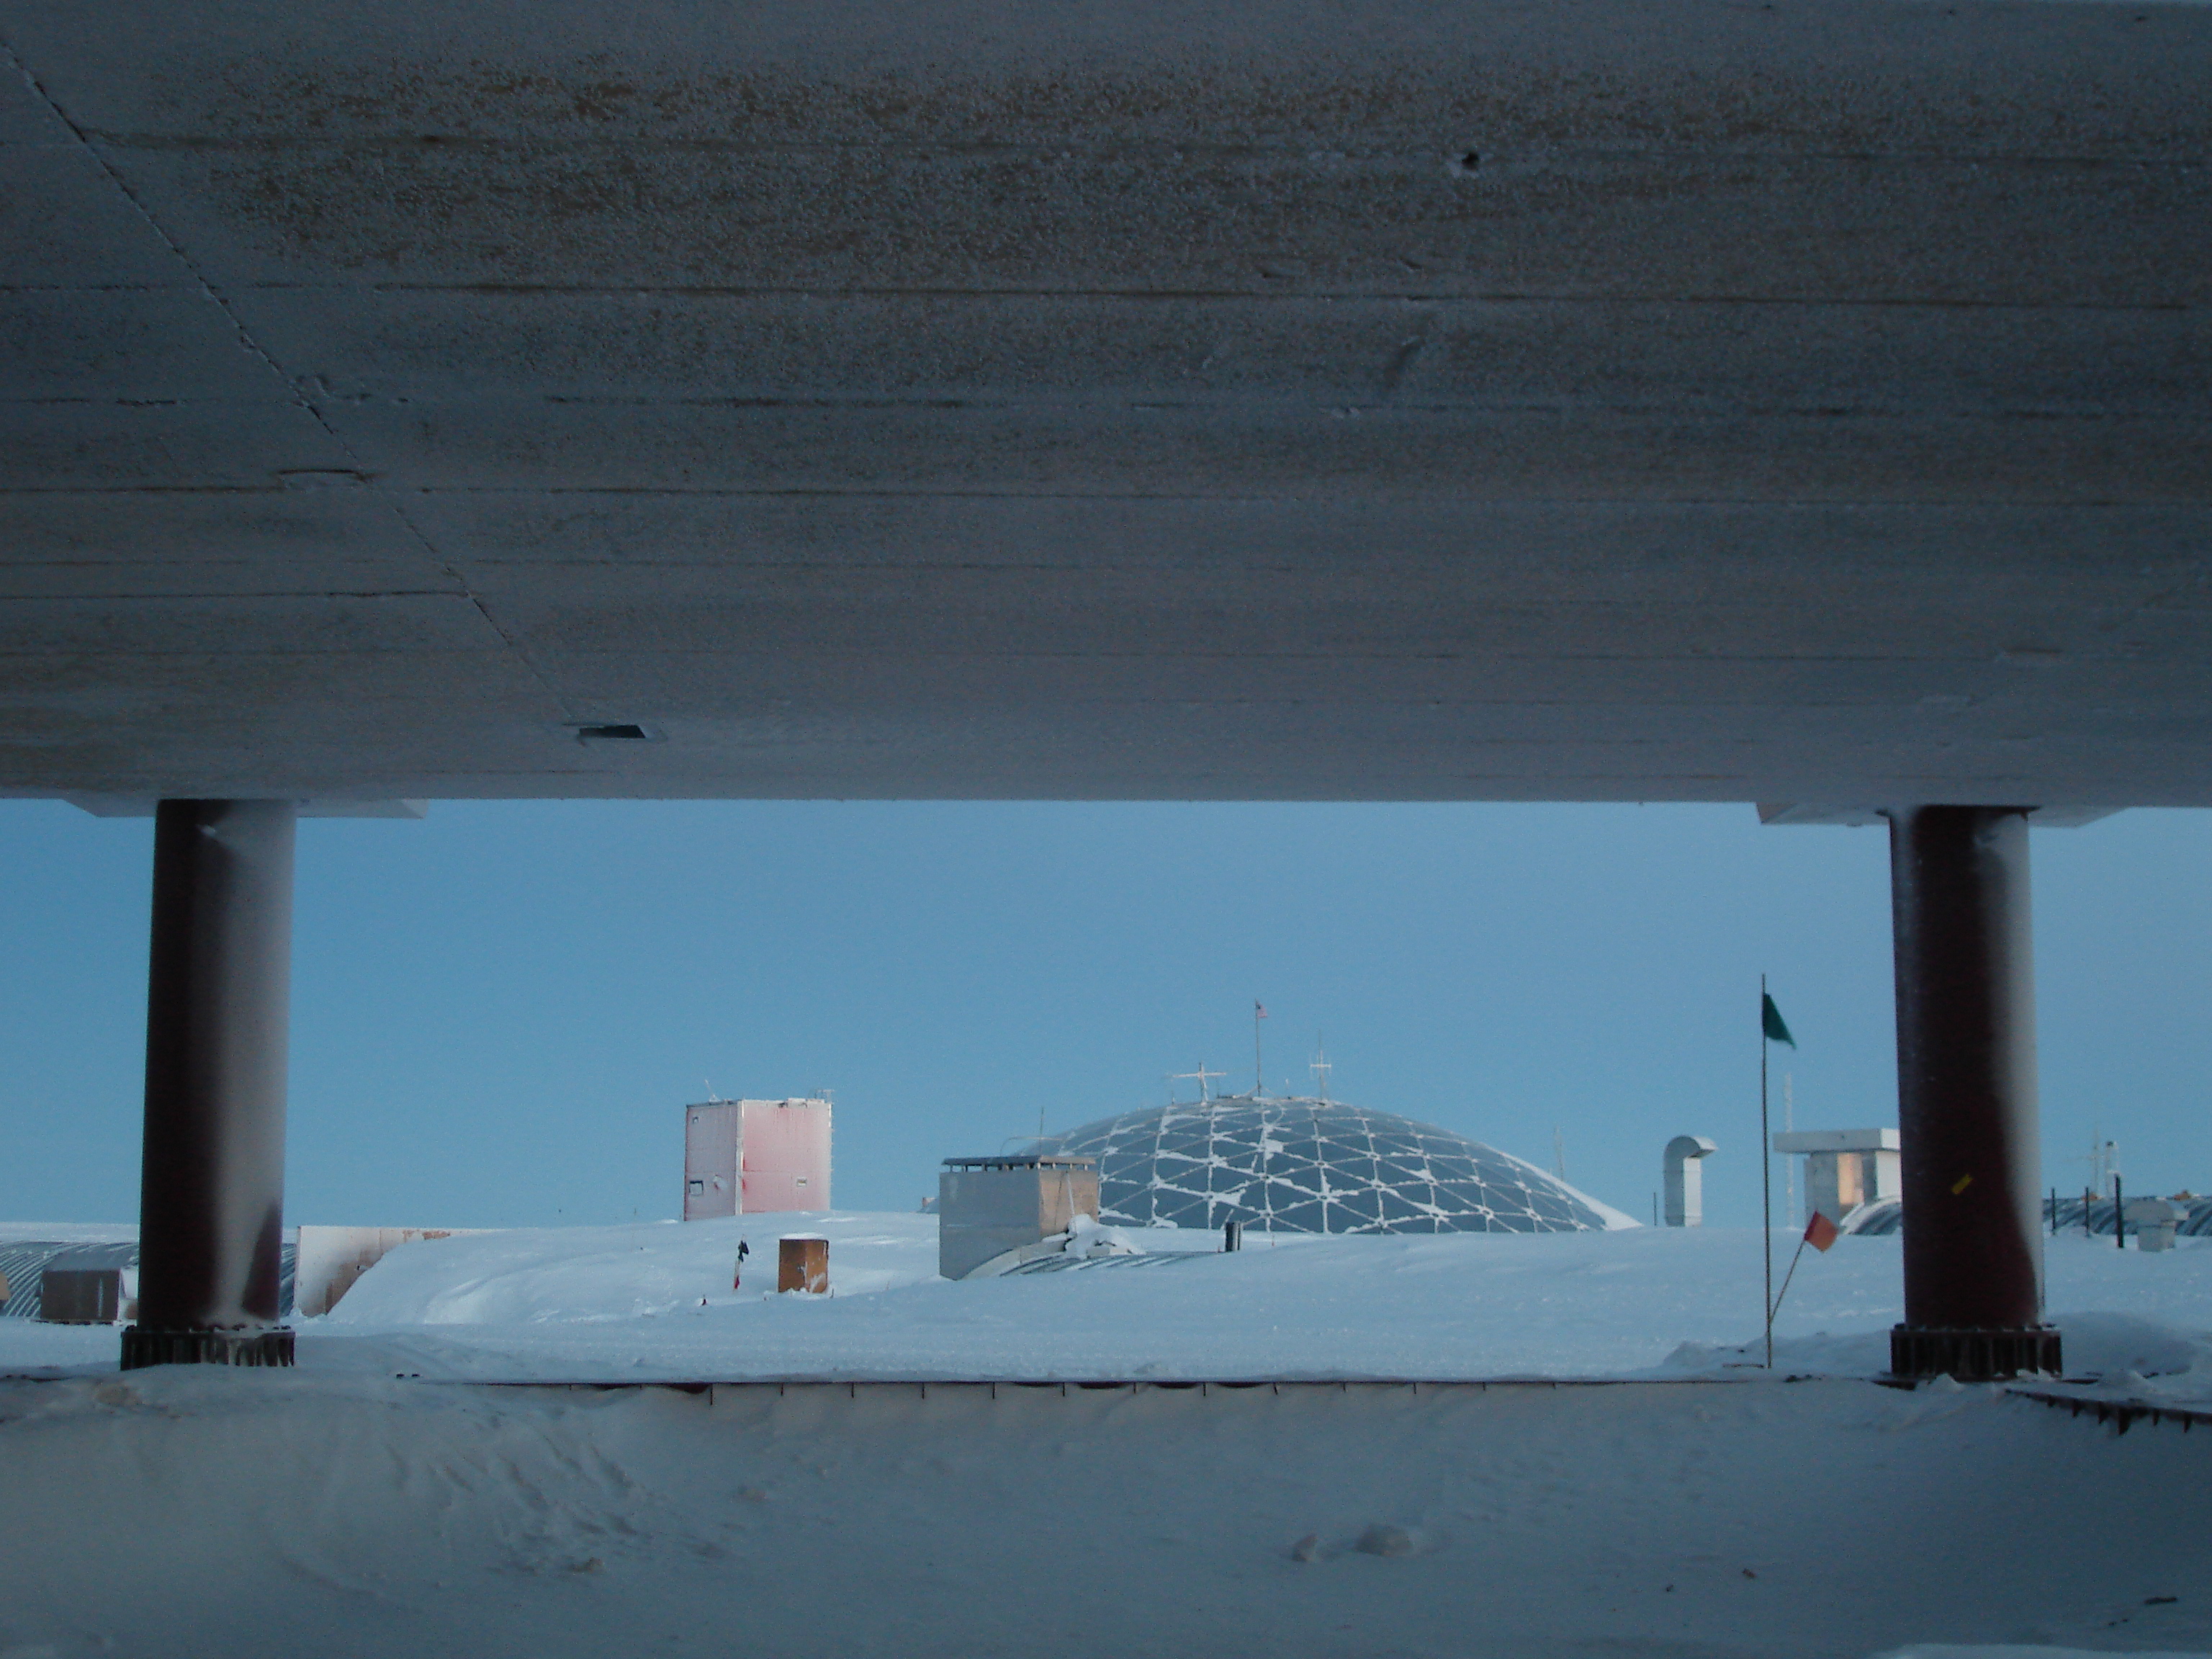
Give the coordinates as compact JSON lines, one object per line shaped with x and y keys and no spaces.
{"x":1602,"y":401}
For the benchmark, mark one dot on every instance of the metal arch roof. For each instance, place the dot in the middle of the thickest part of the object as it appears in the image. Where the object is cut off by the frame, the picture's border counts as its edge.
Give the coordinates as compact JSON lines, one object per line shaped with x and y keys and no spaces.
{"x":2098,"y":1216}
{"x":23,"y":1261}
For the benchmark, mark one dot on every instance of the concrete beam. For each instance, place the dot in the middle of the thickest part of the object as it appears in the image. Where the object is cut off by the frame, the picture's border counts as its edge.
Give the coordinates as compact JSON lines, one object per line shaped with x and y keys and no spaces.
{"x":1635,"y":401}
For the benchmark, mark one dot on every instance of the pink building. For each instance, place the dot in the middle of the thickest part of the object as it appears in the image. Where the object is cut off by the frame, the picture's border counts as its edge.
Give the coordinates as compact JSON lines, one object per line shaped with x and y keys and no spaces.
{"x":743,"y":1157}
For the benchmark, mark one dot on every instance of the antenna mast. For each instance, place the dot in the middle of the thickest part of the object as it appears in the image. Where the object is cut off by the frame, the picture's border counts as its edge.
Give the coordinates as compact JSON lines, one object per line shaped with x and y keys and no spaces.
{"x":1321,"y":1067}
{"x":1201,"y":1075}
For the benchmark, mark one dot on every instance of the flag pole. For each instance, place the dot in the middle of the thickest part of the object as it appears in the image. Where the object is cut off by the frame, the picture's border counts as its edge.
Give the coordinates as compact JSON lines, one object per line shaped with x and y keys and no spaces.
{"x":1777,"y":1308}
{"x":1765,"y":1177}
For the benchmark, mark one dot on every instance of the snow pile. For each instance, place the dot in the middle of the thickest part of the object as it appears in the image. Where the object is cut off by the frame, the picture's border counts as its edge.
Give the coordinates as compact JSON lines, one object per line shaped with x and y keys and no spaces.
{"x":199,"y":1514}
{"x":655,"y":1302}
{"x":1086,"y":1238}
{"x":1710,"y":1510}
{"x":627,"y":1303}
{"x":2178,"y":1361}
{"x":538,"y":1274}
{"x":69,"y":1232}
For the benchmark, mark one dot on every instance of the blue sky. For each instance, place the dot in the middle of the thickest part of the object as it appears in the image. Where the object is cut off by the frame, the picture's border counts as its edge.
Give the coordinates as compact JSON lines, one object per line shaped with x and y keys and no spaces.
{"x":499,"y":1011}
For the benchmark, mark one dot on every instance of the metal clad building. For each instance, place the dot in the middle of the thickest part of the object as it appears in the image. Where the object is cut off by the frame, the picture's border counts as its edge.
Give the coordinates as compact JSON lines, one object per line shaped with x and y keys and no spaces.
{"x":24,"y":1263}
{"x":710,"y":1159}
{"x":746,"y":1156}
{"x":987,"y":1207}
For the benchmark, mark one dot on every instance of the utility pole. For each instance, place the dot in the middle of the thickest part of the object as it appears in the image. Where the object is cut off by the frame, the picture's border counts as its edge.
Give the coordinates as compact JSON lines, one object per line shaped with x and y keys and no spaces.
{"x":1765,"y":1174}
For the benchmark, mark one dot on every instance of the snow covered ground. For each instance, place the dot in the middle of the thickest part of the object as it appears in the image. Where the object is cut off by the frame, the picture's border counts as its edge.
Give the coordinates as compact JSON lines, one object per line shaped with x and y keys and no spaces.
{"x":67,"y":1232}
{"x":193,"y":1513}
{"x":380,"y":1501}
{"x":624,"y":1304}
{"x":571,"y":1305}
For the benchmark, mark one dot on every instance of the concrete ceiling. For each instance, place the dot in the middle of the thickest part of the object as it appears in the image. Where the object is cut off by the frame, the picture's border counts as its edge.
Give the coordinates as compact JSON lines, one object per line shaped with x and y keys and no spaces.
{"x":1584,"y":400}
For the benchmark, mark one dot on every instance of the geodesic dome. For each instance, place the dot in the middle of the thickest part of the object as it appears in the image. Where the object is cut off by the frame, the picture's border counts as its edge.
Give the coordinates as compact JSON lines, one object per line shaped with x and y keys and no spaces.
{"x":1315,"y":1166}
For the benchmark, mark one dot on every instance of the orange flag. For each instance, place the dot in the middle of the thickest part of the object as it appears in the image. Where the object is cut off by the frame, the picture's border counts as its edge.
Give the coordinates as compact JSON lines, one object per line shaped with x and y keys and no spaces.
{"x":1820,"y":1232}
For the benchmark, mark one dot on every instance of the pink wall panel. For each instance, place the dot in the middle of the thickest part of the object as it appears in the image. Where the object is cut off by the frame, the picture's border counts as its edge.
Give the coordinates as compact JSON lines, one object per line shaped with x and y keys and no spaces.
{"x":786,"y":1147}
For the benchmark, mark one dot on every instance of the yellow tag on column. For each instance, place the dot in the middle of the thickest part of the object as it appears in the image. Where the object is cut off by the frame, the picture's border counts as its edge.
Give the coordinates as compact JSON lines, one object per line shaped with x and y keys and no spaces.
{"x":1961,"y":1184}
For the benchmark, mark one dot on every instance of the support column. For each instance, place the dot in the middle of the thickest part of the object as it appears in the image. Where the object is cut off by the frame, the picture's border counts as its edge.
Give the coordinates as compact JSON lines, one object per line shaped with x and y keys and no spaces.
{"x":211,"y":1208}
{"x":1966,"y":1095}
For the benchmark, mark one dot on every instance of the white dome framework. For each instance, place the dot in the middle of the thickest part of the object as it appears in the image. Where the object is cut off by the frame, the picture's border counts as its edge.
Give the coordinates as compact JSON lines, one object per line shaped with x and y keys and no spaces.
{"x":1293,"y":1164}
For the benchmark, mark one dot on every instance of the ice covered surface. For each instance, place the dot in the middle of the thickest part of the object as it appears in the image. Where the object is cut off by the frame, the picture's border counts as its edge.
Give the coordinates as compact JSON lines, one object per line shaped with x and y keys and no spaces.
{"x":339,"y":1509}
{"x":197,"y":1514}
{"x":67,"y":1232}
{"x":623,"y":1303}
{"x":541,"y":1274}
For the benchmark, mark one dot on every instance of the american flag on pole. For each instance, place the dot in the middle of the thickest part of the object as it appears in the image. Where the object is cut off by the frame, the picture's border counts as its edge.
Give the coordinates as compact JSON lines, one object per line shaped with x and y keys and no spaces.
{"x":1259,"y":1011}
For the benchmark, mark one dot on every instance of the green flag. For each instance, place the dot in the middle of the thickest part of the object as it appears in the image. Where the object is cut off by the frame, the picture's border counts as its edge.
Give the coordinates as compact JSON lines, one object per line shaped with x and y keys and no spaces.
{"x":1770,"y":1021}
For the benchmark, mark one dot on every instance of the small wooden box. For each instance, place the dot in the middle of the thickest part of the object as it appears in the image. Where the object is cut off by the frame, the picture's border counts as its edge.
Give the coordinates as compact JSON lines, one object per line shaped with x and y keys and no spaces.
{"x":802,"y":1263}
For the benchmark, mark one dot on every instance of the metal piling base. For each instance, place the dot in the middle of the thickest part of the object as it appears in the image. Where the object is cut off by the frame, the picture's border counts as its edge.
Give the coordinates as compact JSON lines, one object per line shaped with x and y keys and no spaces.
{"x":1972,"y":1356}
{"x":271,"y":1346}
